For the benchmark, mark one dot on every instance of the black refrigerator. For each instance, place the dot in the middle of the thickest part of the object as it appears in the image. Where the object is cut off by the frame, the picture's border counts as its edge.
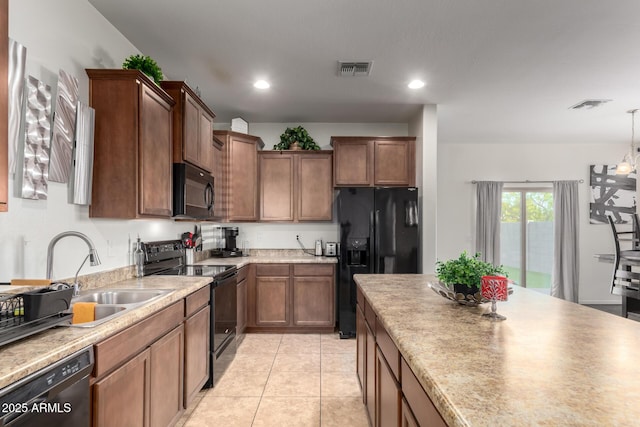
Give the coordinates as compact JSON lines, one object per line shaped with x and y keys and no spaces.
{"x":379,"y":234}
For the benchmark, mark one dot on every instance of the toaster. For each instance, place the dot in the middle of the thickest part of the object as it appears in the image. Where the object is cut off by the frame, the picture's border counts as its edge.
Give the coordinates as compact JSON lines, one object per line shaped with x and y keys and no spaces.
{"x":331,"y":249}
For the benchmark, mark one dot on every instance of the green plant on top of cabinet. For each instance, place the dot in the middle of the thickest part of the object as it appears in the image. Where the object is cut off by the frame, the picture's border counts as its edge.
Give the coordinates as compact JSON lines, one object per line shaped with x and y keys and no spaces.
{"x":146,"y":64}
{"x":238,"y":198}
{"x":362,"y":161}
{"x":296,"y":186}
{"x":296,"y":139}
{"x":192,"y":126}
{"x":132,"y":170}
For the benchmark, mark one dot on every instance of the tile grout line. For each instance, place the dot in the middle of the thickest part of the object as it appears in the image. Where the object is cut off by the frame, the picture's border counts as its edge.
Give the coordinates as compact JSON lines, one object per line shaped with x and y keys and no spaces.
{"x":265,"y":384}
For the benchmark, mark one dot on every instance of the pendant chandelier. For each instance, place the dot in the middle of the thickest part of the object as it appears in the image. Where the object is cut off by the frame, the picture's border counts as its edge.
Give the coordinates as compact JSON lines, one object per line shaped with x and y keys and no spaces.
{"x":628,"y":163}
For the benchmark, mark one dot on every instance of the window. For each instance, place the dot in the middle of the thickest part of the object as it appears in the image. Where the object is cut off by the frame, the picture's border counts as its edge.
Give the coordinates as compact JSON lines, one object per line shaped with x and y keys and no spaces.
{"x":526,"y":236}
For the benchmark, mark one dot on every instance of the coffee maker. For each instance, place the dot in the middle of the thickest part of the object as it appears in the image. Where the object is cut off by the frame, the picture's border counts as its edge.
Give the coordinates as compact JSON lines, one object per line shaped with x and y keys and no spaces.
{"x":229,"y":235}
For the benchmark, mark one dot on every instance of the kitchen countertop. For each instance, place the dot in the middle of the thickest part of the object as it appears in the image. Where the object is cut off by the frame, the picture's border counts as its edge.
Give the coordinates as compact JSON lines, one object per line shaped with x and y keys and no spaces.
{"x":550,"y":363}
{"x":31,"y":354}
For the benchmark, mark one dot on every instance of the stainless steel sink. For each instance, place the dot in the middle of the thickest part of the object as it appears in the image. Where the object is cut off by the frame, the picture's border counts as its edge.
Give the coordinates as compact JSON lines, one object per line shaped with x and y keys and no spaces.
{"x":114,"y":302}
{"x":120,"y":296}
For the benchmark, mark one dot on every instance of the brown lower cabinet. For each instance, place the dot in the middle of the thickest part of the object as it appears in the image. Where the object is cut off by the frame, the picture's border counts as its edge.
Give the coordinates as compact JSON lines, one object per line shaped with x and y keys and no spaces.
{"x":391,"y":392}
{"x":370,"y":374}
{"x":197,"y":313}
{"x":166,"y":369}
{"x":196,"y":350}
{"x":388,"y":394}
{"x":146,"y":374}
{"x":121,"y":398}
{"x":408,"y":420}
{"x":242,"y":300}
{"x":291,"y":297}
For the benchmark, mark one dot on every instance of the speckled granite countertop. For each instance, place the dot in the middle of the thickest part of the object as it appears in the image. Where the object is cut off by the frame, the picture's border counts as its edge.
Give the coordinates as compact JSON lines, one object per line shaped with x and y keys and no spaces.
{"x":551,"y":363}
{"x":19,"y":359}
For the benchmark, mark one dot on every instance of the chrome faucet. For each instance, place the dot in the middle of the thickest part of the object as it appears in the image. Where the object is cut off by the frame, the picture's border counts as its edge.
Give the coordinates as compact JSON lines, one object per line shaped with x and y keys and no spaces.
{"x":93,"y":254}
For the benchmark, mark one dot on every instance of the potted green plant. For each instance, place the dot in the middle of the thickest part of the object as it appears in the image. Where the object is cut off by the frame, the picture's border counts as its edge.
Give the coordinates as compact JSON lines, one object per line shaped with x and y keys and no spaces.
{"x":464,"y":274}
{"x":296,"y":139}
{"x":145,"y":64}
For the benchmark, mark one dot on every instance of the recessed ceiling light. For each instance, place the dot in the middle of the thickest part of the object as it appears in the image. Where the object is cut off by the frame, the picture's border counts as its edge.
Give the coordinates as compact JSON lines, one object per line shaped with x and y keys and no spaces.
{"x":261,"y":84}
{"x":416,"y":84}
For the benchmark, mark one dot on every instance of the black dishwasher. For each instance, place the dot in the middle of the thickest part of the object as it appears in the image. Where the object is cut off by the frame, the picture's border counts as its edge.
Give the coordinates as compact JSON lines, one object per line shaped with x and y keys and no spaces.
{"x":55,"y":396}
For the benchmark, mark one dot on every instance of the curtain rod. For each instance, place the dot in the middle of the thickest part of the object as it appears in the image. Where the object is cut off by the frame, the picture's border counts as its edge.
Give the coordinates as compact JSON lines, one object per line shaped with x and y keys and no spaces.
{"x":529,"y":182}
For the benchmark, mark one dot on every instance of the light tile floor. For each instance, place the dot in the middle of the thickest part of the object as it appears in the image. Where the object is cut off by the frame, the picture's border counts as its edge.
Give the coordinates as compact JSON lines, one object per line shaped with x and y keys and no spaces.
{"x":283,"y":380}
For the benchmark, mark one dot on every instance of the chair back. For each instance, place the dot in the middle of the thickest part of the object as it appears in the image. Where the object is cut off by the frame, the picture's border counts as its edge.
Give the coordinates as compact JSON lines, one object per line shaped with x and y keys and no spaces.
{"x":626,"y":265}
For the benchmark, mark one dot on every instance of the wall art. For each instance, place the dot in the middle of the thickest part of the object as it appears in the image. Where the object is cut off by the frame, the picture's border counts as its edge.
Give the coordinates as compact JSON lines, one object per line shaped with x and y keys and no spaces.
{"x":37,"y":140}
{"x":17,"y":60}
{"x":611,"y":194}
{"x":82,"y":169}
{"x":64,"y":127}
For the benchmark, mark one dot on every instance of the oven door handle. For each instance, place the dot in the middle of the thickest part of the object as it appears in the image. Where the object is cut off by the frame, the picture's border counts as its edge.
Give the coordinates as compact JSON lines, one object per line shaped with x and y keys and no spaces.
{"x":223,"y":281}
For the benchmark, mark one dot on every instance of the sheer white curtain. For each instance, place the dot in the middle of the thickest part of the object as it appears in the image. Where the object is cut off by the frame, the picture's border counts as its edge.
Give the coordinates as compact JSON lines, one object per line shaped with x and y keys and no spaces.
{"x":566,"y":251}
{"x":488,"y":212}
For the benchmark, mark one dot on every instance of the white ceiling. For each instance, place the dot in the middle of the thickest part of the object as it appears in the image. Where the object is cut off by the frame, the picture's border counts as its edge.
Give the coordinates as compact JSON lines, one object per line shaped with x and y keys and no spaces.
{"x":499,"y":70}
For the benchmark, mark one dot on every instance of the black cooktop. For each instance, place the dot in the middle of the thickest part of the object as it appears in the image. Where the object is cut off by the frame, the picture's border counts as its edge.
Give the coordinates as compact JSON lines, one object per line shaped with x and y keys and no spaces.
{"x":198,"y":270}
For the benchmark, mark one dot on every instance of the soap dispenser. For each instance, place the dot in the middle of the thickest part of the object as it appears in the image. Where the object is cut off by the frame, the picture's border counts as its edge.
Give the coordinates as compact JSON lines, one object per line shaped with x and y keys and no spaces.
{"x":138,"y":258}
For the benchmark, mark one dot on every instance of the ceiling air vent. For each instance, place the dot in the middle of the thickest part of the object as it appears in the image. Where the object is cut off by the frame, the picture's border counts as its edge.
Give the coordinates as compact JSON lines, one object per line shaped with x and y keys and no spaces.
{"x":589,"y":103}
{"x":353,"y":68}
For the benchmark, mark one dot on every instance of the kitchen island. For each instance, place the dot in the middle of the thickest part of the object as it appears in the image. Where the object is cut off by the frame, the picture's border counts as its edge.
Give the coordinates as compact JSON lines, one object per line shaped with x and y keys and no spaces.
{"x":551,"y":363}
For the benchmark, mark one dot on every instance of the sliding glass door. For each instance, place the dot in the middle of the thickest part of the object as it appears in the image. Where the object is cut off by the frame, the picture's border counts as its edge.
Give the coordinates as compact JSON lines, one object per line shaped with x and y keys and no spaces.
{"x":526,"y":236}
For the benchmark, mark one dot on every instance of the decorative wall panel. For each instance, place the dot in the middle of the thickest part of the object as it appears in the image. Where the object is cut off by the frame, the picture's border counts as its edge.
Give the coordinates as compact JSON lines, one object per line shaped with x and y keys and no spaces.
{"x":17,"y":59}
{"x":82,"y":167}
{"x":64,"y":127}
{"x":37,"y":141}
{"x":611,"y":194}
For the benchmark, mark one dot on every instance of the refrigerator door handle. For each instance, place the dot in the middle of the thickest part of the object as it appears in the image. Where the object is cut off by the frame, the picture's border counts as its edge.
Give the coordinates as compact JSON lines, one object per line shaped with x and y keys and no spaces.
{"x":376,"y":238}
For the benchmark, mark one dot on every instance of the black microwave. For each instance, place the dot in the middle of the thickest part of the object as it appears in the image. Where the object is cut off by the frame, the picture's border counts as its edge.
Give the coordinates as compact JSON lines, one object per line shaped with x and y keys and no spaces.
{"x":192,"y":192}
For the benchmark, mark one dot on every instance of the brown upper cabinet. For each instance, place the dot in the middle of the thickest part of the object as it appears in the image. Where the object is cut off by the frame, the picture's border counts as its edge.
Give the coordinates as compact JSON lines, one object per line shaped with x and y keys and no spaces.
{"x":295,"y":185}
{"x":238,"y":197}
{"x":132,"y":171}
{"x":192,"y":126}
{"x":361,"y":161}
{"x":4,"y":93}
{"x":217,"y":154}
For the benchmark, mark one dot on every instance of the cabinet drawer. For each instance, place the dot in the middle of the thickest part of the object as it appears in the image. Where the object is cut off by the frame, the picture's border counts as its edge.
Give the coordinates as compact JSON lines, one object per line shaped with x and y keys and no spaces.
{"x":389,"y":349}
{"x":121,"y":346}
{"x":422,"y":407}
{"x":196,"y":300}
{"x":242,"y":273}
{"x":272,"y":270}
{"x":313,"y":269}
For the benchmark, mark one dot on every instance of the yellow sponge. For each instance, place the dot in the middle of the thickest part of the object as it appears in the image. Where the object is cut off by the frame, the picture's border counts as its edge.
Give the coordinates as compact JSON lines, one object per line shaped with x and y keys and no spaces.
{"x":84,"y":312}
{"x":30,"y":282}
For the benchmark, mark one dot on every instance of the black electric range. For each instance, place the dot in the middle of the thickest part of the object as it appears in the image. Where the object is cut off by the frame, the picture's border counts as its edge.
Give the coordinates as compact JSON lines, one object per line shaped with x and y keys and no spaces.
{"x":168,"y":258}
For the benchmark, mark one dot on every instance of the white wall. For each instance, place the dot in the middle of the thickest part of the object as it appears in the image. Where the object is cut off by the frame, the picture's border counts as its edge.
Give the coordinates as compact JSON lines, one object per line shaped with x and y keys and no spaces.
{"x":459,"y":164}
{"x":72,"y":35}
{"x":322,"y":132}
{"x":424,"y":126}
